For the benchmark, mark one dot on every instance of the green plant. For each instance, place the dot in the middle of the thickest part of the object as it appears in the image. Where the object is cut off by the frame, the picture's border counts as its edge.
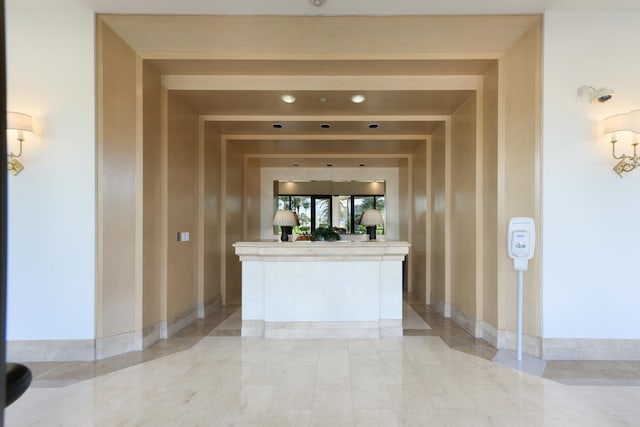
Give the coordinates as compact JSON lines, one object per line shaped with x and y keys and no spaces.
{"x":325,"y":233}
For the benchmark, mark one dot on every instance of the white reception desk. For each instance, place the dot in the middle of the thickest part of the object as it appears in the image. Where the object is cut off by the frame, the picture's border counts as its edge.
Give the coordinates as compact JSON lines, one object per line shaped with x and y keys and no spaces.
{"x":322,"y":289}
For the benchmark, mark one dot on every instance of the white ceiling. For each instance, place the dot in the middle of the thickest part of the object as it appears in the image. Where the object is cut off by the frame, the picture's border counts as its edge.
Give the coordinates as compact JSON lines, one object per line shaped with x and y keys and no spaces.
{"x":332,"y":7}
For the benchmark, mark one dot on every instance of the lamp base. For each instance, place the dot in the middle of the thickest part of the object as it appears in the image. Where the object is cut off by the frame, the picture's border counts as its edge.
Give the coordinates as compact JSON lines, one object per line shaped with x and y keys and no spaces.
{"x":371,"y":229}
{"x":286,"y":230}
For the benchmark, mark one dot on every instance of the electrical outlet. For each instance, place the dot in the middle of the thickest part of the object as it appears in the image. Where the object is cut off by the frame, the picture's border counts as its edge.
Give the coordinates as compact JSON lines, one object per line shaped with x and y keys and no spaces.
{"x":182,"y":236}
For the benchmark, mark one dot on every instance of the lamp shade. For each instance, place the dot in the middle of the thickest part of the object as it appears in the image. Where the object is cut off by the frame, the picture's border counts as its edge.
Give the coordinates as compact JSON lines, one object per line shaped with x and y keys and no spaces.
{"x":371,"y":217}
{"x":285,"y":218}
{"x":622,"y":122}
{"x":19,"y":121}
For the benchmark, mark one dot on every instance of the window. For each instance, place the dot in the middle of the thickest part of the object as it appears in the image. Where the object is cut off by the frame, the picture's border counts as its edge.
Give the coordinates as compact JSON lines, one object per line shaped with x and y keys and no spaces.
{"x":321,"y":213}
{"x":342,"y":212}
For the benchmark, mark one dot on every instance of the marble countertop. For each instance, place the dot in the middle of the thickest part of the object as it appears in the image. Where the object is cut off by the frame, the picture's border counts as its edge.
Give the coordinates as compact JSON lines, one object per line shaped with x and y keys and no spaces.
{"x":341,"y":250}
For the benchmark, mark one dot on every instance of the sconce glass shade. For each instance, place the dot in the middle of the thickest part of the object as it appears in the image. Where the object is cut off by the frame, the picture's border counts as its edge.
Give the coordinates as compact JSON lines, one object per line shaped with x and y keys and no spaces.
{"x":285,"y":218}
{"x":19,"y":121}
{"x":371,"y":217}
{"x":620,"y":126}
{"x":622,"y":122}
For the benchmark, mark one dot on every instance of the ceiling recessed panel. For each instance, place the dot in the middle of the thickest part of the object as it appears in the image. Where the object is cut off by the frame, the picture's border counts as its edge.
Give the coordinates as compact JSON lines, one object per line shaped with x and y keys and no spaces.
{"x":192,"y":67}
{"x":336,"y":162}
{"x":364,"y":128}
{"x":323,"y":103}
{"x":301,"y":147}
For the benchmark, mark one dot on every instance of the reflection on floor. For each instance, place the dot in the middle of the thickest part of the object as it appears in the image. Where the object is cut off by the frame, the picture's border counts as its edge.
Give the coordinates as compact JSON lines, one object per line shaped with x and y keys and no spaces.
{"x":208,"y":375}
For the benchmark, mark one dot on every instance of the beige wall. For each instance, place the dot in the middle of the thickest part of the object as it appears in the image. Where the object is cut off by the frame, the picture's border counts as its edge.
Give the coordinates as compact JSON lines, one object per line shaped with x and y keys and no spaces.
{"x":152,"y":225}
{"x":212,"y":227}
{"x":405,"y":216}
{"x":520,"y":70}
{"x":463,"y":208}
{"x":252,"y":201}
{"x":183,"y":206}
{"x":489,"y":190}
{"x":117,"y":294}
{"x":419,"y":219}
{"x":437,"y":201}
{"x":404,"y":198}
{"x":234,"y":221}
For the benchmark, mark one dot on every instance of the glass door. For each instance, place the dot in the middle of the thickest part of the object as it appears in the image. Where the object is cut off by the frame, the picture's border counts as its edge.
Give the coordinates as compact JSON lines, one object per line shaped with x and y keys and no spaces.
{"x":322,"y":211}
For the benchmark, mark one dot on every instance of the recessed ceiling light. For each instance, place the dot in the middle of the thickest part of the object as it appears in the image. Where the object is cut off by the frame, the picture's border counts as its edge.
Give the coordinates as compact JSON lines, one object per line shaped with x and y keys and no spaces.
{"x":329,"y":164}
{"x":362,"y":165}
{"x":277,"y":125}
{"x":358,"y":99}
{"x":324,"y":99}
{"x":295,"y":165}
{"x":325,"y":126}
{"x":373,"y":125}
{"x":289,"y":99}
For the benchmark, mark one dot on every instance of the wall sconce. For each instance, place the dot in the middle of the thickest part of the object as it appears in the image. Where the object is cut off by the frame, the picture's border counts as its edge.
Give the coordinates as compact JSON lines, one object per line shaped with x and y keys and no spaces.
{"x":370,"y":219}
{"x":20,"y":122}
{"x":286,"y":220}
{"x":625,"y":124}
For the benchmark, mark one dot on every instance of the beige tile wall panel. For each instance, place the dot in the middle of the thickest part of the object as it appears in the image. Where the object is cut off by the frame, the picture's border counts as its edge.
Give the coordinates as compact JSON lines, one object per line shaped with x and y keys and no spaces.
{"x":404,"y":217}
{"x":212,"y":225}
{"x":234,"y":221}
{"x":151,"y":303}
{"x":463,"y":213}
{"x":419,"y":220}
{"x":252,"y":199}
{"x":520,"y":118}
{"x":182,"y":215}
{"x":116,"y":299}
{"x":437,"y":202}
{"x":490,"y":197}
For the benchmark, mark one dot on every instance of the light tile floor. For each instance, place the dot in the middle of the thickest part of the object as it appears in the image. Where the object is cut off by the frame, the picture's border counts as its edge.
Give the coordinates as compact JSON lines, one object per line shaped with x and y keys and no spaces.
{"x":206,"y":376}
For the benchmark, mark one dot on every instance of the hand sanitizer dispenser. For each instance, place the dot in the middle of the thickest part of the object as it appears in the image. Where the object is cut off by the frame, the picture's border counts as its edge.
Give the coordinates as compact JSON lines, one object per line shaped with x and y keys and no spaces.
{"x":522,"y":241}
{"x":521,"y":245}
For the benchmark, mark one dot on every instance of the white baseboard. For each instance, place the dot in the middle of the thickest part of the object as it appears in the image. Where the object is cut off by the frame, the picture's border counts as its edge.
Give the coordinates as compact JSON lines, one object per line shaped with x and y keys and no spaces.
{"x":252,"y":328}
{"x":590,"y":349}
{"x":151,"y":334}
{"x":170,"y":328}
{"x":531,"y":345}
{"x":470,"y":325}
{"x":73,"y":350}
{"x":100,"y":348}
{"x":50,"y":350}
{"x":207,"y":309}
{"x":499,"y":338}
{"x":390,"y":328}
{"x":118,"y":344}
{"x":441,"y":307}
{"x":322,"y":330}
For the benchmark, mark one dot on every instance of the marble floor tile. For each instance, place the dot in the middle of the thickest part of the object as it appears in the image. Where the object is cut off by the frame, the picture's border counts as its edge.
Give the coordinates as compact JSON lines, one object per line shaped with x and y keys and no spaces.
{"x":371,"y":396}
{"x":332,"y":400}
{"x":443,"y":377}
{"x":375,"y":418}
{"x":411,"y":319}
